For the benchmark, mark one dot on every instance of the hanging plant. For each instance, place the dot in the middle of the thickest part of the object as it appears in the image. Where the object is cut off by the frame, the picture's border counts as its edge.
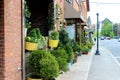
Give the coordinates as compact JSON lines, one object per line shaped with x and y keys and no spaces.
{"x":27,"y":15}
{"x":51,"y":20}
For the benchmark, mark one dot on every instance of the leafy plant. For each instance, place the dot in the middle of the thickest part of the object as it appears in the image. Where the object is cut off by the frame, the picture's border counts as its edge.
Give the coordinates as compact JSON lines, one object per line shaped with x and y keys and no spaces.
{"x":85,"y":48}
{"x":27,"y":15}
{"x":31,"y":39}
{"x":54,"y":35}
{"x":61,"y":57}
{"x":35,"y":36}
{"x":51,"y":20}
{"x":63,"y":37}
{"x":43,"y":64}
{"x":75,"y":46}
{"x":69,"y":51}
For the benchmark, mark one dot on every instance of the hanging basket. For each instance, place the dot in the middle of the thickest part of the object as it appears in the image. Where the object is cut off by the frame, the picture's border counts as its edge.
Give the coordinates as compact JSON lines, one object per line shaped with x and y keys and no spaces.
{"x":33,"y":79}
{"x":53,"y":43}
{"x":31,"y":46}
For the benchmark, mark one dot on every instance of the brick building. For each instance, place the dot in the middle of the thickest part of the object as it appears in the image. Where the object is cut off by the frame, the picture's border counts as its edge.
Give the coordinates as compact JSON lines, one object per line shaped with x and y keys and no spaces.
{"x":12,"y":32}
{"x":10,"y":39}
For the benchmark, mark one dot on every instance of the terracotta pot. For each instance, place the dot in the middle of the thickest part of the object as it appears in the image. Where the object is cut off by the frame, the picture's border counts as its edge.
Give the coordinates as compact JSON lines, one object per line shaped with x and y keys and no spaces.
{"x":85,"y":53}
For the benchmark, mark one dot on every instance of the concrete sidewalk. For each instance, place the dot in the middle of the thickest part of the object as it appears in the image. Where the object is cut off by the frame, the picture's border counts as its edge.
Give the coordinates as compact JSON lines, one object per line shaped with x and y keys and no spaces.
{"x":79,"y":70}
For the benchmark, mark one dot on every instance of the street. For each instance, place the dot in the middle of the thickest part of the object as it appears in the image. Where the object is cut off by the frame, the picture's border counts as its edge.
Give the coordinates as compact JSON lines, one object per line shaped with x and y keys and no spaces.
{"x":113,"y":46}
{"x":106,"y":66}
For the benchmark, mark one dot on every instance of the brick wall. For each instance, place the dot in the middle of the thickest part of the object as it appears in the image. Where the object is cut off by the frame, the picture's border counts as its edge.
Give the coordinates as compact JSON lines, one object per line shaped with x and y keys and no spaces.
{"x":1,"y":40}
{"x":12,"y":39}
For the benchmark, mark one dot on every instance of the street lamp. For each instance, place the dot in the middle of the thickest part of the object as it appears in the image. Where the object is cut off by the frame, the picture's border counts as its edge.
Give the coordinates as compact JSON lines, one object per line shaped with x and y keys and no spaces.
{"x":97,"y":50}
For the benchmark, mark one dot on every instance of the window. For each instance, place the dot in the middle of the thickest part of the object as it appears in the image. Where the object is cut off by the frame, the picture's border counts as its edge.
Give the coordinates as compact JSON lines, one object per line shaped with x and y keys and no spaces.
{"x":70,"y":1}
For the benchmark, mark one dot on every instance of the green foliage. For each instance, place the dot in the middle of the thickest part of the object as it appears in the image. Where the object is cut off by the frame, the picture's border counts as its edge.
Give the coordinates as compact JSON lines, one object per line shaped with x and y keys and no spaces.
{"x":75,"y":46}
{"x":63,"y":37}
{"x":51,"y":20}
{"x":35,"y":33}
{"x":115,"y":29}
{"x":27,"y":12}
{"x":69,"y":51}
{"x":106,"y":28}
{"x":35,"y":36}
{"x":85,"y":48}
{"x":31,"y":39}
{"x":54,"y":35}
{"x":27,"y":15}
{"x":61,"y":57}
{"x":43,"y":64}
{"x":111,"y":34}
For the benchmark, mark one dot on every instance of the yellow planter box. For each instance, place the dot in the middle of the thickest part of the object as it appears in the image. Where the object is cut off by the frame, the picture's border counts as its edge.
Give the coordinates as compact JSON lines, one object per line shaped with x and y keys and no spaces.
{"x":33,"y":79}
{"x":53,"y":43}
{"x":31,"y":46}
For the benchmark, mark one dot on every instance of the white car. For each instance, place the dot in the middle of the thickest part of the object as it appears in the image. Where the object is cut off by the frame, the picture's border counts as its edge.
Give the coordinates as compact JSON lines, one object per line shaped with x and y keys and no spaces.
{"x":102,"y":38}
{"x":119,"y":40}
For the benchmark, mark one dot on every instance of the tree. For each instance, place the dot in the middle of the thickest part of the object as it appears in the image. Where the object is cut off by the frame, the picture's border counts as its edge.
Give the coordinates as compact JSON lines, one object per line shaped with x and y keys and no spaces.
{"x":106,"y":28}
{"x":115,"y":29}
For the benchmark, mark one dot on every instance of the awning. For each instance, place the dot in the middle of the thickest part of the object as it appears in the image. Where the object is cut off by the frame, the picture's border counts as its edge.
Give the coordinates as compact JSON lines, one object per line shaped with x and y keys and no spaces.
{"x":84,"y":24}
{"x":71,"y":13}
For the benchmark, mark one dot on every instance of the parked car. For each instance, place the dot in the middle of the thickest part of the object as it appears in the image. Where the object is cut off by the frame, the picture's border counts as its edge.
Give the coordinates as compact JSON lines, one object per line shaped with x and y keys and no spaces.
{"x":102,"y":38}
{"x":118,"y":39}
{"x":108,"y":38}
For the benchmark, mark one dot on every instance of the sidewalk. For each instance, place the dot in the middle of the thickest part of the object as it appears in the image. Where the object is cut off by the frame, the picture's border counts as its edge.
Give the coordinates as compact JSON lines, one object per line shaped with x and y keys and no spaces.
{"x":79,"y":70}
{"x":99,"y":67}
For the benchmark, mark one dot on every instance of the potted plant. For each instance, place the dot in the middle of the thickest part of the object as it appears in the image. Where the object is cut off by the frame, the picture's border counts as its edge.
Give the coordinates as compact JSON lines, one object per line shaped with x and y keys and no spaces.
{"x":63,"y":37}
{"x":34,"y":39}
{"x":69,"y":52}
{"x":31,"y":43}
{"x":42,"y":64}
{"x":85,"y":49}
{"x":61,"y":57}
{"x":53,"y":39}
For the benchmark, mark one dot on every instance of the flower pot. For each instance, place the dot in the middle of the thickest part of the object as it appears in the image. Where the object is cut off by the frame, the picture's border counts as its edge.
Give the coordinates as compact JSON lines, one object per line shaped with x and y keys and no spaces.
{"x":85,"y":53}
{"x":53,"y":43}
{"x":31,"y":46}
{"x":69,"y":65}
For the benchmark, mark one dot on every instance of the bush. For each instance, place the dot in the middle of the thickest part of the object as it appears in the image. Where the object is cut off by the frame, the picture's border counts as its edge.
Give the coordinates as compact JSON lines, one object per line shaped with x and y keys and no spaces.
{"x":63,"y":37}
{"x":42,"y":64}
{"x":54,"y":35}
{"x":69,"y":51}
{"x":61,"y":57}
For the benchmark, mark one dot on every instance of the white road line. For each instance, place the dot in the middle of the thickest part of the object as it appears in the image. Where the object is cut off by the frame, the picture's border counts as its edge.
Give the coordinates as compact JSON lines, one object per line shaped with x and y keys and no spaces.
{"x":115,"y":59}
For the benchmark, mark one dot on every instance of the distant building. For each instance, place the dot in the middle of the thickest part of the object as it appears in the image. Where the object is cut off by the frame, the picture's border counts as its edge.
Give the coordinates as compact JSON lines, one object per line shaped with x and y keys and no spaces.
{"x":106,"y":19}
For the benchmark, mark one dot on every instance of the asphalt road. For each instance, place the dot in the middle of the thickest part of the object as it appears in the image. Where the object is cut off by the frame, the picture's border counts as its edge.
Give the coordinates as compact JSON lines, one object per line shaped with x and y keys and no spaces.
{"x":114,"y":47}
{"x":104,"y":66}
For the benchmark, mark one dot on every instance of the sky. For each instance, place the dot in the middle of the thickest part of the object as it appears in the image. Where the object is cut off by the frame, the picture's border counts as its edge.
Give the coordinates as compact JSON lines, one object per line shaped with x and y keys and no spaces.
{"x":106,"y":8}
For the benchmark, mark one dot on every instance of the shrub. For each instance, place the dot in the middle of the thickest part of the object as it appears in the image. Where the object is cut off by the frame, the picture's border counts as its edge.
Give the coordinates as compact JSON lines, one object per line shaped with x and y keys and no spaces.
{"x":42,"y":64}
{"x":61,"y":58}
{"x":69,"y":51}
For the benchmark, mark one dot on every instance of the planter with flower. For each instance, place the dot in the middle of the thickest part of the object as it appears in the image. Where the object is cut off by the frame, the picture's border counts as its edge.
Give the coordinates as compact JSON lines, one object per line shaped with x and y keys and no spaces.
{"x":34,"y":40}
{"x":85,"y":49}
{"x":53,"y":39}
{"x":31,"y":43}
